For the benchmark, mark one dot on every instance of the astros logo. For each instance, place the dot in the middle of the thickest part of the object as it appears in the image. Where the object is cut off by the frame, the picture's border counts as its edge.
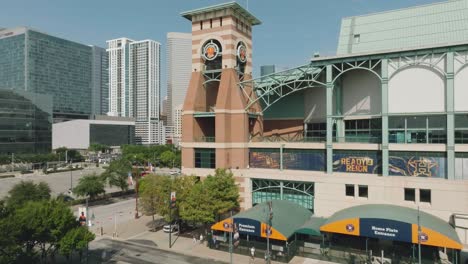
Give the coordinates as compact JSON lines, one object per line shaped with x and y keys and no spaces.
{"x":350,"y":228}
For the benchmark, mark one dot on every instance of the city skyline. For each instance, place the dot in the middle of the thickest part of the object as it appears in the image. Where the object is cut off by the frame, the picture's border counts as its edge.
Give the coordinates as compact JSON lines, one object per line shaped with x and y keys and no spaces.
{"x":60,"y":19}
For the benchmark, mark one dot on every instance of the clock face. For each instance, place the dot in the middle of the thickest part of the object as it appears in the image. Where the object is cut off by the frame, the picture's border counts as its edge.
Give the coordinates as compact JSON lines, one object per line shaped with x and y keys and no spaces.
{"x":242,"y":53}
{"x":210,"y":51}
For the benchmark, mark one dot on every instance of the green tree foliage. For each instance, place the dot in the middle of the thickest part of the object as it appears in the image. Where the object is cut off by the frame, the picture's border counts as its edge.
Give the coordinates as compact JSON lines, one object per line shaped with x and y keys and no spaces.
{"x":117,"y":173}
{"x":210,"y":198}
{"x":143,"y":154}
{"x":148,"y":194}
{"x":167,"y":159}
{"x":71,"y":154}
{"x":29,"y":158}
{"x":223,"y":191}
{"x":90,"y":185}
{"x":27,"y":191}
{"x":98,"y":147}
{"x":197,"y":207}
{"x":76,"y":239}
{"x":155,"y":191}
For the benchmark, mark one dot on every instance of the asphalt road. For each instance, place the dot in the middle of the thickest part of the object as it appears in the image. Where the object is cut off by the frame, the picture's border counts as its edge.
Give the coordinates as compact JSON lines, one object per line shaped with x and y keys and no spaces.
{"x":59,"y":182}
{"x":115,"y":251}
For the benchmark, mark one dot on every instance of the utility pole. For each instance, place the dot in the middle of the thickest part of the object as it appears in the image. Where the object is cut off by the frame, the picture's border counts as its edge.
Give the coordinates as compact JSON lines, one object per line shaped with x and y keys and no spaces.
{"x":172,"y":201}
{"x":66,"y":156}
{"x":419,"y":239}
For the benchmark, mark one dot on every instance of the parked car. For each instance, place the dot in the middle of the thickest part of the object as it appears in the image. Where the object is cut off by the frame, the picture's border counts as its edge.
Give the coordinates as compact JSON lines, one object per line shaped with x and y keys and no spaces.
{"x":171,"y":228}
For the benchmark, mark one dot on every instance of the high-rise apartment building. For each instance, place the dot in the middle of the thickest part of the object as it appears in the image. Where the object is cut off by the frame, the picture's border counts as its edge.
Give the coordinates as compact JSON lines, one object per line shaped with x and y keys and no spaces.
{"x":40,"y":63}
{"x":144,"y":80}
{"x":118,"y":53}
{"x":134,"y":86}
{"x":179,"y":61}
{"x":100,"y":81}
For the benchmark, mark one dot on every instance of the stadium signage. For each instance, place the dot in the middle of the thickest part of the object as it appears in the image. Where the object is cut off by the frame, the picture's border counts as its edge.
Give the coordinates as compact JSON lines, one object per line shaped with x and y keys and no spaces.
{"x":247,"y":226}
{"x":357,"y":164}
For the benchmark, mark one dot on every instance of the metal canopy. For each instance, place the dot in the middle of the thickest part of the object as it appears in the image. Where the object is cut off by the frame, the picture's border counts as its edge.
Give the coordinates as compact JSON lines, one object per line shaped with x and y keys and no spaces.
{"x":271,"y":88}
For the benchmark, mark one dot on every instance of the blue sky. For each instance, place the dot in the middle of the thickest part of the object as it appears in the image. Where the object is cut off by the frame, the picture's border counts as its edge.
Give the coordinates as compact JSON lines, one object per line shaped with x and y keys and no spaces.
{"x":291,"y":31}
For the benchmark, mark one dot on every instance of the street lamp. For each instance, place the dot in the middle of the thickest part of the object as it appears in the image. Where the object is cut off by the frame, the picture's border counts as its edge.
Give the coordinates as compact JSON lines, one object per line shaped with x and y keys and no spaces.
{"x":135,"y":176}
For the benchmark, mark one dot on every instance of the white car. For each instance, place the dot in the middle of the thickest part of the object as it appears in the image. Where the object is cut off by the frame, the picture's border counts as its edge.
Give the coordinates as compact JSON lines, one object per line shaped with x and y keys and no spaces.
{"x":171,"y":228}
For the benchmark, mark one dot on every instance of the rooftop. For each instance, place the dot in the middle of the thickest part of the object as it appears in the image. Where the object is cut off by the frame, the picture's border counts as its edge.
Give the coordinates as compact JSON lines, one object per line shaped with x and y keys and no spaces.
{"x":230,"y":5}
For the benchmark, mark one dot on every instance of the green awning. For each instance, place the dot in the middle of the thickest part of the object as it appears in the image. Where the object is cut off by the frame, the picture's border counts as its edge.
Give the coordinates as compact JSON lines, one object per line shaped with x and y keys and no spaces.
{"x":385,"y":221}
{"x":287,"y":218}
{"x":312,"y":226}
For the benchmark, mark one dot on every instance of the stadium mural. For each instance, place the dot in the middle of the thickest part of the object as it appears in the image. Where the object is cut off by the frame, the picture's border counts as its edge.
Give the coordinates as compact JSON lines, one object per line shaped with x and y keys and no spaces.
{"x":368,"y":162}
{"x":406,"y":164}
{"x":292,"y":159}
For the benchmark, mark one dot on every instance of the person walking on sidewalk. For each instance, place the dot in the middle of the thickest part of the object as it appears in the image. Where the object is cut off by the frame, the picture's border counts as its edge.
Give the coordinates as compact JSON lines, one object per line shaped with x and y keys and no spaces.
{"x":252,"y":253}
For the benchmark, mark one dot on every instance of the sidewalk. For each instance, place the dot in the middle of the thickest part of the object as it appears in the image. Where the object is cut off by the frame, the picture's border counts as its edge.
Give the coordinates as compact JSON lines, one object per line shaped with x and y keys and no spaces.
{"x":187,"y":246}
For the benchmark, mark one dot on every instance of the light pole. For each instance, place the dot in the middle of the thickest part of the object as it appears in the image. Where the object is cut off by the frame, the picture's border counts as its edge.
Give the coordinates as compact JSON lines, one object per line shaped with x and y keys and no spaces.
{"x":268,"y":231}
{"x":419,"y":239}
{"x":71,"y":180}
{"x":230,"y":238}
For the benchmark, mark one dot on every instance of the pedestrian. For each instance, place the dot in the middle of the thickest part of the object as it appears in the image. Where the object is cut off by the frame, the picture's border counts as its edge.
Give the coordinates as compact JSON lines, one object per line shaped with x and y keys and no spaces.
{"x":252,"y":253}
{"x":201,"y":238}
{"x":194,"y":239}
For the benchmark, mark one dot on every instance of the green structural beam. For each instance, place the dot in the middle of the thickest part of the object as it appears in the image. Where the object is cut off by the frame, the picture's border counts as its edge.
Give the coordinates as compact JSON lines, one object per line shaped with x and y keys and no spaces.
{"x":269,"y":89}
{"x":384,"y":87}
{"x":329,"y":107}
{"x":449,"y":84}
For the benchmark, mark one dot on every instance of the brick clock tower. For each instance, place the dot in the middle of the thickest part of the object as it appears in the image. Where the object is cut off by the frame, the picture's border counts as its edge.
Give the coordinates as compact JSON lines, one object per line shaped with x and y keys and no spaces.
{"x":215,"y":122}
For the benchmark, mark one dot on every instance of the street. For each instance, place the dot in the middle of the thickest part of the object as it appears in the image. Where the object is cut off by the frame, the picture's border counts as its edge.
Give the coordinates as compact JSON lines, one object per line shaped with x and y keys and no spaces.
{"x":115,"y":251}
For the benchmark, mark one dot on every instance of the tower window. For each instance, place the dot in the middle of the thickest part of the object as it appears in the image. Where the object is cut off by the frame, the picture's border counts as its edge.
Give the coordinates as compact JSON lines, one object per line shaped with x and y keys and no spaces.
{"x":201,"y":25}
{"x":349,"y":190}
{"x":410,"y":194}
{"x":220,"y":21}
{"x":425,"y":195}
{"x":211,"y":23}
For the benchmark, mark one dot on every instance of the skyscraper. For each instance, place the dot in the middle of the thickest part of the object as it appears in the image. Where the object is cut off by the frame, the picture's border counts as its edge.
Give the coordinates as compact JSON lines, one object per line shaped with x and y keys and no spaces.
{"x":144,"y":80}
{"x":118,"y":52}
{"x":179,"y":61}
{"x":100,"y":81}
{"x":134,"y":86}
{"x":40,"y":63}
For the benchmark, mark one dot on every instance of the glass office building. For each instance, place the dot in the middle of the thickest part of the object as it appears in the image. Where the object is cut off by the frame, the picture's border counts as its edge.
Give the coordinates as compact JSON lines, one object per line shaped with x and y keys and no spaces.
{"x":66,"y":70}
{"x":25,"y":122}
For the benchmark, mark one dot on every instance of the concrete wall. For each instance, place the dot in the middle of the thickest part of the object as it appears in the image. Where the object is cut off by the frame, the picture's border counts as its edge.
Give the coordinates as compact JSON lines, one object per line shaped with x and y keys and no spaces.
{"x":461,"y":90}
{"x":72,"y":135}
{"x":416,"y":90}
{"x":314,"y":105}
{"x":361,"y":93}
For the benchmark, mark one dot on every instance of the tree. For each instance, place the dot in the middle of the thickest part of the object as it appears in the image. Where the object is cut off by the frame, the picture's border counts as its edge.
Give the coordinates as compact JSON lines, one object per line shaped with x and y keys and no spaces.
{"x":117,"y":173}
{"x":223,"y":191}
{"x":90,"y":185}
{"x":168,"y":158}
{"x":197,"y":207}
{"x":76,"y":239}
{"x":72,"y":154}
{"x":42,"y":225}
{"x":148,"y":193}
{"x":98,"y":147}
{"x":27,"y":191}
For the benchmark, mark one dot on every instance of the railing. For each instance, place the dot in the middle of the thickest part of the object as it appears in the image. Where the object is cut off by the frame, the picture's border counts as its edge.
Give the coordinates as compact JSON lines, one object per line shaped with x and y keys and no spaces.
{"x":288,"y":139}
{"x":204,"y":139}
{"x":358,"y":139}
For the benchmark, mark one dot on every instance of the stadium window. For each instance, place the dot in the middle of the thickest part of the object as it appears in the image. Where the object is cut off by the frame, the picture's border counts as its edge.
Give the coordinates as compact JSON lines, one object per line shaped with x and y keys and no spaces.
{"x":363,"y":191}
{"x":357,"y":38}
{"x":201,"y":25}
{"x":211,"y":23}
{"x":425,"y":196}
{"x":349,"y":190}
{"x":410,"y":194}
{"x":220,"y":21}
